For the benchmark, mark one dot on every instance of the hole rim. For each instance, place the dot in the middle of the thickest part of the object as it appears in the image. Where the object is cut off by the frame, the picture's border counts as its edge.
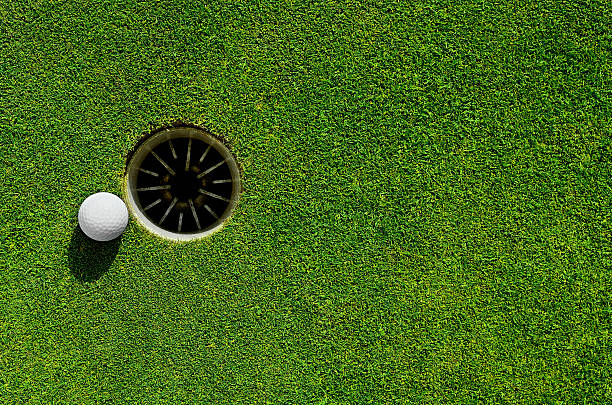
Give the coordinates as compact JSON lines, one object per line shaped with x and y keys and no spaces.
{"x":142,"y":150}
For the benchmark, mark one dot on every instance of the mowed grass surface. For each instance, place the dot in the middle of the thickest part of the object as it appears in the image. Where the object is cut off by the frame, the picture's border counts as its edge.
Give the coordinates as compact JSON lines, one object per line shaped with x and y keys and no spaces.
{"x":426,"y":215}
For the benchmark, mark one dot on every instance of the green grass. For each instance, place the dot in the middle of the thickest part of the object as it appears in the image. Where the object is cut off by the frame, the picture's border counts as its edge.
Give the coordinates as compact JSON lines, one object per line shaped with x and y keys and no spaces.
{"x":426,"y":216}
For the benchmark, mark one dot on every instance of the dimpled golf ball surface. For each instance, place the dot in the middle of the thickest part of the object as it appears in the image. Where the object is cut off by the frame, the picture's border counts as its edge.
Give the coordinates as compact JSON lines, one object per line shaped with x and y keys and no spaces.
{"x":103,"y":216}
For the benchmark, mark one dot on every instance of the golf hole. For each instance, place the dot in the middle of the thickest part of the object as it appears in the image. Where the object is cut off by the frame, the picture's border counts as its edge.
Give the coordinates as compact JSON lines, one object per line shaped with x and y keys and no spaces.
{"x":182,"y":183}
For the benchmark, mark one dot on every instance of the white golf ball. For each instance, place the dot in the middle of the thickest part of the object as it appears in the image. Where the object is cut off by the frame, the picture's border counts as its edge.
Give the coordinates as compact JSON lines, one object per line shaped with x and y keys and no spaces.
{"x":103,"y":216}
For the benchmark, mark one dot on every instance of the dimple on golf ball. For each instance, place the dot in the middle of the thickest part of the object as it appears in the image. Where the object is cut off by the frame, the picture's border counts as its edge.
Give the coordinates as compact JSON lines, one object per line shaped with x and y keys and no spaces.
{"x":103,"y":216}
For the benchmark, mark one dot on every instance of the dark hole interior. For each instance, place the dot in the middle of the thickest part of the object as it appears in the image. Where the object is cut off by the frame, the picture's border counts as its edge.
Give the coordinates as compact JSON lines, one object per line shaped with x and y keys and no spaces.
{"x":184,"y":185}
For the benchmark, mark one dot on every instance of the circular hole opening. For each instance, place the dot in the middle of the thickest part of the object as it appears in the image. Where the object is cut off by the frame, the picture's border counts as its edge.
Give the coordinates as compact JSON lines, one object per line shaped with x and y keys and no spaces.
{"x":182,"y":183}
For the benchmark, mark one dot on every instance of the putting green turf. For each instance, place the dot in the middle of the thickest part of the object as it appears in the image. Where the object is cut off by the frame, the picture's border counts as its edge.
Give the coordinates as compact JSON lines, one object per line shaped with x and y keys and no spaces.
{"x":426,"y":215}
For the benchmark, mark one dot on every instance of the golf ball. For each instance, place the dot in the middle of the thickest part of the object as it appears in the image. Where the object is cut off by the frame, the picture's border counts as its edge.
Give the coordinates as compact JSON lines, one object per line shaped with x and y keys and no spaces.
{"x":103,"y":216}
